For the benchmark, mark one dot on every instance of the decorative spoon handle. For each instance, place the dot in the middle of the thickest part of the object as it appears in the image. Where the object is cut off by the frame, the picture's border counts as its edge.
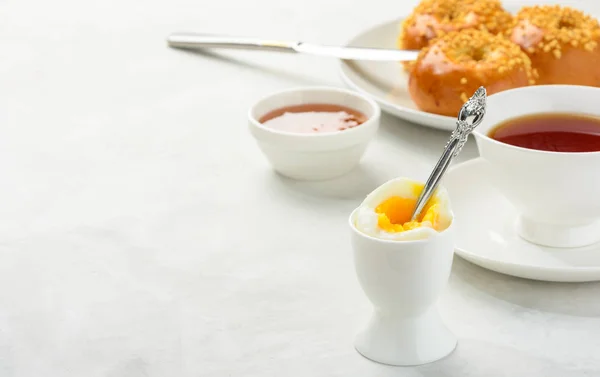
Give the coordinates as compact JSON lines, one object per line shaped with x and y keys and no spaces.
{"x":469,"y":117}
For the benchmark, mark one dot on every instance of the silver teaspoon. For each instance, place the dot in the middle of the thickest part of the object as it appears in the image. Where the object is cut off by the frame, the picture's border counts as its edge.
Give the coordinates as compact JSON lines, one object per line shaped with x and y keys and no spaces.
{"x":470,"y":116}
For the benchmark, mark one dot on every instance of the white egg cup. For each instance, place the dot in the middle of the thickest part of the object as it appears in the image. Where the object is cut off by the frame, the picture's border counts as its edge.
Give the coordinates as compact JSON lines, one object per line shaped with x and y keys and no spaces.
{"x":403,"y":280}
{"x":555,"y":193}
{"x":314,"y":156}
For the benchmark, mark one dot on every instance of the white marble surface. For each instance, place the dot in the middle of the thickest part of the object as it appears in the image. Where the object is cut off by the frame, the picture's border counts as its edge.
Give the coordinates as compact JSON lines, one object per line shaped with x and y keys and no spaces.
{"x":143,"y":234}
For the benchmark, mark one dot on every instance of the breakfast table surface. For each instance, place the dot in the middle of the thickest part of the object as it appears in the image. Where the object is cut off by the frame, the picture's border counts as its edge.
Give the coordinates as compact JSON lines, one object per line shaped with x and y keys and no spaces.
{"x":144,"y":234}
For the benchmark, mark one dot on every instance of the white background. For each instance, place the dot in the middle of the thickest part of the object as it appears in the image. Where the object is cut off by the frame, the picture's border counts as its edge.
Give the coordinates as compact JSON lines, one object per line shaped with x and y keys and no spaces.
{"x":143,"y":234}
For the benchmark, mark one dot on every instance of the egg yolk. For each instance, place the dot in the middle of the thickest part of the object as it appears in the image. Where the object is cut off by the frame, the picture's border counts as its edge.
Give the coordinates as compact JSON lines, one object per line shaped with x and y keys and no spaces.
{"x":394,"y":213}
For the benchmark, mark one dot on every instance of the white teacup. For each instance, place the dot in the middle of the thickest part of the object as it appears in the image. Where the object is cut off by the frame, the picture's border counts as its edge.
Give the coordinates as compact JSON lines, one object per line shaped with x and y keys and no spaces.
{"x":403,"y":280}
{"x":557,"y":194}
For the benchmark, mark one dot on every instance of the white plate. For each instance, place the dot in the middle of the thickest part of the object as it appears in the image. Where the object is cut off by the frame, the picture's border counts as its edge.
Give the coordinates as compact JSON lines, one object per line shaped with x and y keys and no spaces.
{"x":386,"y":82}
{"x":485,"y":233}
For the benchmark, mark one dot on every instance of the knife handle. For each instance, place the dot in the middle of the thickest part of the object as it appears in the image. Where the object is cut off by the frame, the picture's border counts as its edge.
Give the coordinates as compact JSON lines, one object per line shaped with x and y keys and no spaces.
{"x":197,"y":41}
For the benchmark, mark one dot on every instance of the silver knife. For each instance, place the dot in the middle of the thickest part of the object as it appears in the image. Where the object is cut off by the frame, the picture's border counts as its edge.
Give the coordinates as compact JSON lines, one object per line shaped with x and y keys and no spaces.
{"x":198,"y":41}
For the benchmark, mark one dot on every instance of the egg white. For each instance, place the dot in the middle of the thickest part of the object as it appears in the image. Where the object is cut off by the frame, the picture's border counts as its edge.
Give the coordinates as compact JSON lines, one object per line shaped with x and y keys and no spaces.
{"x":366,"y":219}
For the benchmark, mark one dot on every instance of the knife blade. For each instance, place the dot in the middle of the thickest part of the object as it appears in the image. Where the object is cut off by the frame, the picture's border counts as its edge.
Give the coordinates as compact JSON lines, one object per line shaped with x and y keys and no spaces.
{"x":201,"y":41}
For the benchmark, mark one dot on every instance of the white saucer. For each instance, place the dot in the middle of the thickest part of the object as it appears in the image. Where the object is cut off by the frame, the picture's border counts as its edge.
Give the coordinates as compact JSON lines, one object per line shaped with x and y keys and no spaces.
{"x":386,"y":82}
{"x":486,"y":236}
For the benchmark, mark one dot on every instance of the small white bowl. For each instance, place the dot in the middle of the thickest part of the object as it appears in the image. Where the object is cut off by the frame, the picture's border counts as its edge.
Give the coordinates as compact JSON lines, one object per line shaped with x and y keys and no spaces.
{"x":403,"y":280}
{"x":314,"y":156}
{"x":556,"y":193}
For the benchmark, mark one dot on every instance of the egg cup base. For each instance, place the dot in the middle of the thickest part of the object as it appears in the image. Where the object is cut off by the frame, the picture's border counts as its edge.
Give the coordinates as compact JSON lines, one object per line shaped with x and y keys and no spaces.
{"x":405,"y":341}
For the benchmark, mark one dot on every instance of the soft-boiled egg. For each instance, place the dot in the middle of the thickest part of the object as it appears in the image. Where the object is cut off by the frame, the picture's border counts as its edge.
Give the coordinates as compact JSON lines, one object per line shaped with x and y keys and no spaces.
{"x":385,"y":213}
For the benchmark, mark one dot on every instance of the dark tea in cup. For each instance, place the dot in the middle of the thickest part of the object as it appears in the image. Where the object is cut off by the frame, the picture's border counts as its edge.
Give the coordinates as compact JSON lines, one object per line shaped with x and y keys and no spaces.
{"x":553,"y":132}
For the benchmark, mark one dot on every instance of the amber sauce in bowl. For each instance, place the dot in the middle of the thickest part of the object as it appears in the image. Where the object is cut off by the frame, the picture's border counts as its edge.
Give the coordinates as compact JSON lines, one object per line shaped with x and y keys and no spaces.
{"x":313,"y":118}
